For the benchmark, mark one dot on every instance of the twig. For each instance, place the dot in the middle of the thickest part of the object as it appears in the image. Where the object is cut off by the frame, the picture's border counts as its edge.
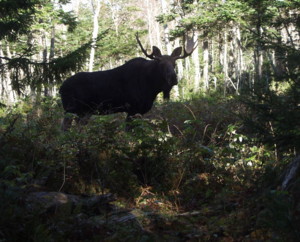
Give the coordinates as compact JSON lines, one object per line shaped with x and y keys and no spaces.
{"x":204,"y":132}
{"x":178,"y":130}
{"x":64,"y":178}
{"x":190,"y":111}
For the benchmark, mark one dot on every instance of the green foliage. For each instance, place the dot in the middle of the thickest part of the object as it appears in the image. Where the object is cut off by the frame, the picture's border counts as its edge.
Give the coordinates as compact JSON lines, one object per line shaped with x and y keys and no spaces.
{"x":16,"y":223}
{"x":279,"y":214}
{"x":200,"y":157}
{"x":20,"y":26}
{"x":220,"y":156}
{"x":209,"y":16}
{"x":146,"y":153}
{"x":276,"y":119}
{"x":16,"y":17}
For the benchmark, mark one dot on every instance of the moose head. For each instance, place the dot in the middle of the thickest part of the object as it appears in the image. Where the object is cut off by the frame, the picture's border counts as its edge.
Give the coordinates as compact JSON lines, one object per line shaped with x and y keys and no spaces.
{"x":166,"y":62}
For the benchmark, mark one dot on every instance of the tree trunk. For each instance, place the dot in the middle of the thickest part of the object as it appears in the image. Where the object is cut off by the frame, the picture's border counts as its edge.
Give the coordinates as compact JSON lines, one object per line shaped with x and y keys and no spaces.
{"x":114,"y":16}
{"x":96,"y":10}
{"x":149,"y":21}
{"x":240,"y":58}
{"x":196,"y":62}
{"x":179,"y":65}
{"x":52,"y":44}
{"x":76,"y":4}
{"x":224,"y":60}
{"x":258,"y":54}
{"x":280,"y":56}
{"x":3,"y":87}
{"x":2,"y":73}
{"x":205,"y":65}
{"x":51,"y":86}
{"x":9,"y":94}
{"x":45,"y":59}
{"x":166,"y":28}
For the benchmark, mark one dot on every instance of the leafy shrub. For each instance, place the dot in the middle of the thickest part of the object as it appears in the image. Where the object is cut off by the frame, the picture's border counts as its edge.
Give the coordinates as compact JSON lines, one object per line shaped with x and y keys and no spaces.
{"x":183,"y":154}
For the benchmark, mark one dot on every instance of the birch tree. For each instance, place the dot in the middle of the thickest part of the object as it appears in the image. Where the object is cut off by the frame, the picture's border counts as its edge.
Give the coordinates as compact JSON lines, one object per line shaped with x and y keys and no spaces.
{"x":205,"y":64}
{"x":166,"y":27}
{"x":7,"y":93}
{"x":196,"y":62}
{"x":96,"y":4}
{"x":240,"y":58}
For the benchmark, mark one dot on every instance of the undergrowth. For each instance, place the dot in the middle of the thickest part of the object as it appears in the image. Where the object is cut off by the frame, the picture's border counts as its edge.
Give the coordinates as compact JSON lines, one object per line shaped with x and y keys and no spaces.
{"x":181,"y":157}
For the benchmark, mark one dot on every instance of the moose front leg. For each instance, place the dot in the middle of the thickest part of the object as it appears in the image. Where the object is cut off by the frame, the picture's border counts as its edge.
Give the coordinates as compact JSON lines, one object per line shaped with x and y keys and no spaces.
{"x":67,"y":122}
{"x":83,"y":119}
{"x":129,"y":121}
{"x":166,"y":95}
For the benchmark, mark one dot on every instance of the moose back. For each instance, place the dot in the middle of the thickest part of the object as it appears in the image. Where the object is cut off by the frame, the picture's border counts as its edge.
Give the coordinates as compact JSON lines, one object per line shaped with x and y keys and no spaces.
{"x":130,"y":88}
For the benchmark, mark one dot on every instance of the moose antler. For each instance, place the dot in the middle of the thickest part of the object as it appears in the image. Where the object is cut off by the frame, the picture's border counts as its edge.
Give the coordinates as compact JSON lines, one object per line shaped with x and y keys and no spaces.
{"x":155,"y":52}
{"x":185,"y":53}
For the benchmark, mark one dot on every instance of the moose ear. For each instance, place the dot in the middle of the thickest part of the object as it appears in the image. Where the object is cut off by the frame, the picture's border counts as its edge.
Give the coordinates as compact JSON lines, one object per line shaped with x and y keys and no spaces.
{"x":176,"y":52}
{"x":156,"y":52}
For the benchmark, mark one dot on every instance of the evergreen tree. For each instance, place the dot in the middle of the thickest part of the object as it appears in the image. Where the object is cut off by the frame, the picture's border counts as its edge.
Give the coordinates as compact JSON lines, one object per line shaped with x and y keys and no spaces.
{"x":29,"y":28}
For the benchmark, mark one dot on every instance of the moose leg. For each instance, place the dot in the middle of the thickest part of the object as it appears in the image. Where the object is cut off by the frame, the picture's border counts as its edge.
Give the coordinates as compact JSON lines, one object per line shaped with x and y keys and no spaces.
{"x":131,"y":117}
{"x":166,"y":95}
{"x":128,"y":124}
{"x":66,"y":123}
{"x":83,"y":119}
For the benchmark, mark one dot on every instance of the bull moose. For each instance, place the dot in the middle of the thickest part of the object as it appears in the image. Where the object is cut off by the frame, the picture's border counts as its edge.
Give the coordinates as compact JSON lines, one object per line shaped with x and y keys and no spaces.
{"x":130,"y":88}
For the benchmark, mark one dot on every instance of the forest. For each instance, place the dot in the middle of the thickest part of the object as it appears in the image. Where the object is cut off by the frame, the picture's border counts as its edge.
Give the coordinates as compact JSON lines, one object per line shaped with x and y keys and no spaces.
{"x":218,"y":161}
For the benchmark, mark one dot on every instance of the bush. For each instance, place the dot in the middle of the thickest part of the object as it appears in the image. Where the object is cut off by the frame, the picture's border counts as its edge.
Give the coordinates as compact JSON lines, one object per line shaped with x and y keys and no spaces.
{"x":181,"y":156}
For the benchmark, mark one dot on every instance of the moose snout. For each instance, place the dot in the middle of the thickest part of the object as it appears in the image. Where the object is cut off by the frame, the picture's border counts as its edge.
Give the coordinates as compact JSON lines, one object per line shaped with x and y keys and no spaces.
{"x":172,"y":80}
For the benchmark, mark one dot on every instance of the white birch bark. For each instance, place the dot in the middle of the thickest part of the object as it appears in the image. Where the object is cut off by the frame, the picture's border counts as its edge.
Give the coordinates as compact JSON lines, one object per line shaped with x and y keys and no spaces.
{"x":179,"y":75}
{"x":196,"y":62}
{"x":240,"y":59}
{"x":259,"y":54}
{"x":166,"y":28}
{"x":115,"y":15}
{"x":96,"y":10}
{"x":9,"y":95}
{"x":76,"y":4}
{"x":224,"y":60}
{"x":52,"y":87}
{"x":149,"y":22}
{"x":3,"y":79}
{"x":205,"y":65}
